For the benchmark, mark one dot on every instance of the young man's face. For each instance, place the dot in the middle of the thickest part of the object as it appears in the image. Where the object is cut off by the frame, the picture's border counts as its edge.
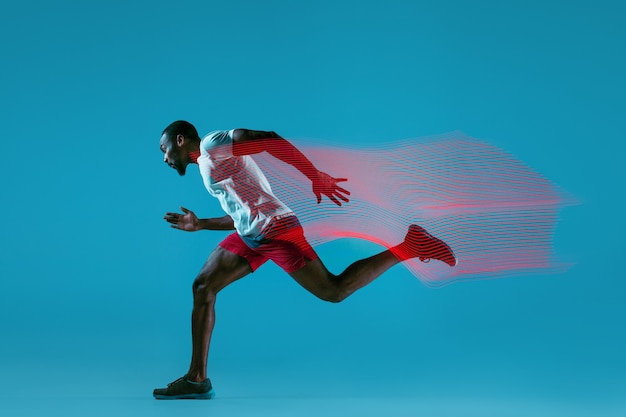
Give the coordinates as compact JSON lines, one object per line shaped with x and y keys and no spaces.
{"x":174,"y":154}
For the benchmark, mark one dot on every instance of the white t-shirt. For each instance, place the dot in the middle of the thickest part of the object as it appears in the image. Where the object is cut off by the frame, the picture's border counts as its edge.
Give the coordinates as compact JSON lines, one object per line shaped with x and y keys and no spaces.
{"x":239,"y":184}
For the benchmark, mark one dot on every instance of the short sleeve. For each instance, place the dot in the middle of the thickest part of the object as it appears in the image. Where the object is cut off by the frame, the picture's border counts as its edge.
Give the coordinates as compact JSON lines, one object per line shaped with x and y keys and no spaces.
{"x":218,"y":145}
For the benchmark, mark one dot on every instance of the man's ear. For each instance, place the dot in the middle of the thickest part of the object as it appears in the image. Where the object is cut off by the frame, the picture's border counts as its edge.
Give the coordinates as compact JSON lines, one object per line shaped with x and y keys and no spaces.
{"x":180,"y":140}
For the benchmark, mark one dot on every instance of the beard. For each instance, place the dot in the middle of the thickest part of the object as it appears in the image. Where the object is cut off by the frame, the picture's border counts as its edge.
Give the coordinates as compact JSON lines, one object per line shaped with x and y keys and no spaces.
{"x":180,"y":167}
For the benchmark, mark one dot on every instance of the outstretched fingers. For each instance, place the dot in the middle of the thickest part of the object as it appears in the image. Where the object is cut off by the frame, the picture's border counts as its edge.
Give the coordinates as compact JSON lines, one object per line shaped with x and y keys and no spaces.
{"x":187,"y":221}
{"x":339,"y":192}
{"x":173,"y":219}
{"x":343,"y":190}
{"x":170,"y":217}
{"x":333,"y":197}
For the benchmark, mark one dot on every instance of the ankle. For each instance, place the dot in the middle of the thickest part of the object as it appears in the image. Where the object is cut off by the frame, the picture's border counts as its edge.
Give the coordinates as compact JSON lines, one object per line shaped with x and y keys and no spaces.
{"x":401,"y":251}
{"x":194,"y":376}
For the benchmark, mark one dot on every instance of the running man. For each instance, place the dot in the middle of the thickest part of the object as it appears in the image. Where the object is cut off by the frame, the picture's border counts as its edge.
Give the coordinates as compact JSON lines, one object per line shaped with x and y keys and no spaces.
{"x":265,"y":228}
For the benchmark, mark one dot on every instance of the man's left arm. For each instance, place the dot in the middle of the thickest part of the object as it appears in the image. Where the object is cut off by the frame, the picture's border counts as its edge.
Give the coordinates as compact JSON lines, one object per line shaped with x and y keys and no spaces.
{"x":248,"y":142}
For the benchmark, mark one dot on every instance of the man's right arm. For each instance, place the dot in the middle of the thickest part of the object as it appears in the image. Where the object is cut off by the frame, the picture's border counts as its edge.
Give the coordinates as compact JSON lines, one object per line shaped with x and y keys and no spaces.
{"x":189,"y":222}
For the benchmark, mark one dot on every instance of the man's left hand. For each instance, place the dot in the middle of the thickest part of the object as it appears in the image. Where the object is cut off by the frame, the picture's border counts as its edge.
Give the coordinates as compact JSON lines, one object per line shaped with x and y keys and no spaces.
{"x":327,"y":185}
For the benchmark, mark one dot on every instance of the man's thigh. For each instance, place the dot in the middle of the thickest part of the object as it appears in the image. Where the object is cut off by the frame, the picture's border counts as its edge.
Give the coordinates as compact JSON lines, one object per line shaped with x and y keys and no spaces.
{"x":314,"y":277}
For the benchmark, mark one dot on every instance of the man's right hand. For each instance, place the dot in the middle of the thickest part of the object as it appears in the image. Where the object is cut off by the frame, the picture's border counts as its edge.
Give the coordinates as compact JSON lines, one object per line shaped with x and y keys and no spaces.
{"x":187,"y":221}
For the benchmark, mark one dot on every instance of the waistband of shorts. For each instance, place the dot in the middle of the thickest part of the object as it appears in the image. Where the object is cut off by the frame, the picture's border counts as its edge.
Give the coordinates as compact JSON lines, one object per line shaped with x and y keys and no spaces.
{"x":274,"y":222}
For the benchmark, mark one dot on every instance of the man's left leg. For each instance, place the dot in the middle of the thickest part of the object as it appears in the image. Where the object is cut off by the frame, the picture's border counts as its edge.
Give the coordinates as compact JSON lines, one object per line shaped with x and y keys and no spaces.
{"x":222,"y":268}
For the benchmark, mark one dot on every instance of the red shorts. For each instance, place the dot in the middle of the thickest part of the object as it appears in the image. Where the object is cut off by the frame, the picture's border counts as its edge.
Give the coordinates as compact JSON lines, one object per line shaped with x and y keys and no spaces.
{"x":288,"y":248}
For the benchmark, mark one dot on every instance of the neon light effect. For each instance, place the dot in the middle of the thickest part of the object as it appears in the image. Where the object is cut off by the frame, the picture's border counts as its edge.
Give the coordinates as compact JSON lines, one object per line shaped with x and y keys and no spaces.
{"x":497,"y":215}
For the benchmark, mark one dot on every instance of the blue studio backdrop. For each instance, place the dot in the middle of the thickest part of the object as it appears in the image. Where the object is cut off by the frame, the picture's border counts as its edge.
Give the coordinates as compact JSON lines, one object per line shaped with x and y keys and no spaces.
{"x":95,"y":292}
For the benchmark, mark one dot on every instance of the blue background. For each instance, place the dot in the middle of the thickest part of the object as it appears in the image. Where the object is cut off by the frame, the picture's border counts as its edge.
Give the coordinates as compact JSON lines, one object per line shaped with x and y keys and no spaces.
{"x":96,"y":288}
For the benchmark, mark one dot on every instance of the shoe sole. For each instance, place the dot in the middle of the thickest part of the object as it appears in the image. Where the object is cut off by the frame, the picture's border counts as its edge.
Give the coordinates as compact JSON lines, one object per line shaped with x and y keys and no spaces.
{"x":201,"y":396}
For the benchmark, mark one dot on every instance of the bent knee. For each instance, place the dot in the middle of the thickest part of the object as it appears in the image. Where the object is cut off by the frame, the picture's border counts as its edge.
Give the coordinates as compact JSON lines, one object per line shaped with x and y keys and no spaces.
{"x":334,"y":295}
{"x":333,"y":299}
{"x":204,"y":289}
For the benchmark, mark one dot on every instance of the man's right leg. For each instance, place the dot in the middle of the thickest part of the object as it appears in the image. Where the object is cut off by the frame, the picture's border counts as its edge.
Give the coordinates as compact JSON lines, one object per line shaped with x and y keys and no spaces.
{"x":221,"y":269}
{"x":418,"y":243}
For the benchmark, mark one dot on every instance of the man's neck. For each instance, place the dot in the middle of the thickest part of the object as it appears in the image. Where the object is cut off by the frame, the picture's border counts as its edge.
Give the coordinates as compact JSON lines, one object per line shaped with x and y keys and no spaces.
{"x":194,"y":155}
{"x":194,"y":152}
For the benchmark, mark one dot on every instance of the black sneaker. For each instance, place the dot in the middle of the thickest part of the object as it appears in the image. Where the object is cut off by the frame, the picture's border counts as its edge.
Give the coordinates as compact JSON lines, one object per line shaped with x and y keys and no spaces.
{"x":184,"y":389}
{"x":418,"y":243}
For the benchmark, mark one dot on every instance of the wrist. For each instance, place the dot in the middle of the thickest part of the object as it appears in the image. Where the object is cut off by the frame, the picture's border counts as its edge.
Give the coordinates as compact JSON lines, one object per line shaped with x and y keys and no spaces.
{"x":311,"y":173}
{"x":201,"y":224}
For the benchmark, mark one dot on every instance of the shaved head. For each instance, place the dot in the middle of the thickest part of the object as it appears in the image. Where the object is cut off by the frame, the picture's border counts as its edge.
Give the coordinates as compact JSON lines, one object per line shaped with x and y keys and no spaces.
{"x":181,"y":127}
